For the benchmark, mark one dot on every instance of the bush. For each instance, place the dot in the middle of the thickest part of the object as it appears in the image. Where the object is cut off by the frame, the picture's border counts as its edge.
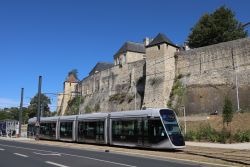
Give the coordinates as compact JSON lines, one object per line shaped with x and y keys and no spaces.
{"x":207,"y":133}
{"x":190,"y":136}
{"x":88,"y":109}
{"x":118,"y":97}
{"x":224,"y":135}
{"x":204,"y":133}
{"x":242,"y":136}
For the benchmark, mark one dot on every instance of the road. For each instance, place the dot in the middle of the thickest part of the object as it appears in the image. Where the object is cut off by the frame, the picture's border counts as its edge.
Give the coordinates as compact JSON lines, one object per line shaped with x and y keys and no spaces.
{"x":14,"y":153}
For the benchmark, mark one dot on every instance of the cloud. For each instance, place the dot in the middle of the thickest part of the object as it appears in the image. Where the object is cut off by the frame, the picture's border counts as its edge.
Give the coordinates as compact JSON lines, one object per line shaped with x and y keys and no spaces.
{"x":6,"y":102}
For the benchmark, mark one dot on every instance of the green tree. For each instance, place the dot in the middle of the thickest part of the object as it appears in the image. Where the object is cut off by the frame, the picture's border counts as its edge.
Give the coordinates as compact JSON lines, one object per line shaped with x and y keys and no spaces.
{"x":227,"y":111}
{"x":45,"y":102}
{"x":220,"y":26}
{"x":9,"y":113}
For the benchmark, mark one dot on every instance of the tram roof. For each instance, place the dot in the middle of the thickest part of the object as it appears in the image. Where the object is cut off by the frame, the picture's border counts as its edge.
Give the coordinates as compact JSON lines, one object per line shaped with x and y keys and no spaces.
{"x":119,"y":114}
{"x":93,"y":116}
{"x":137,"y":113}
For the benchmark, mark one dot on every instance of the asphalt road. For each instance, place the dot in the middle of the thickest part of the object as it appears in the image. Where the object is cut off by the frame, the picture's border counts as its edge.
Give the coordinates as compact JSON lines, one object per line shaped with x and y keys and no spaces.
{"x":14,"y":153}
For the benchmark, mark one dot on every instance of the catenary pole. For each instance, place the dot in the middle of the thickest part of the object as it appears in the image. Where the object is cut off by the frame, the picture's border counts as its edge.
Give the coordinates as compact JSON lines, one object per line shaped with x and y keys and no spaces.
{"x":21,"y":113}
{"x":38,"y":107}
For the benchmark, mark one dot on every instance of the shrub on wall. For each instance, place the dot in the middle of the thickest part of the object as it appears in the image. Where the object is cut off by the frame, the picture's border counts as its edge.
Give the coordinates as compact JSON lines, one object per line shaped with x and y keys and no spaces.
{"x":88,"y":109}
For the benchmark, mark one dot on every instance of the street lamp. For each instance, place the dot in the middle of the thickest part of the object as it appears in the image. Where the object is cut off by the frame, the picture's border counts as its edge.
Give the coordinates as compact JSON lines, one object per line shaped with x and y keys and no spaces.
{"x":185,"y":120}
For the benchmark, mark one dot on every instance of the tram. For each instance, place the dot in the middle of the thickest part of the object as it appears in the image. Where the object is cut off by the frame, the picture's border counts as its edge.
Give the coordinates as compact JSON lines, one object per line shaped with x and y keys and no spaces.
{"x":151,"y":128}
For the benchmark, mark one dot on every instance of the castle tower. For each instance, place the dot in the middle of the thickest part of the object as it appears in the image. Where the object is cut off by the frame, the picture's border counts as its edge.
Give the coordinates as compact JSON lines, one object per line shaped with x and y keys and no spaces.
{"x":70,"y":89}
{"x":160,"y":71}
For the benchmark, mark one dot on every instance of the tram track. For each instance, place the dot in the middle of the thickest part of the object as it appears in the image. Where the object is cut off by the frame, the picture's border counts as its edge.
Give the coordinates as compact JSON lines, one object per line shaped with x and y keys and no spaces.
{"x":234,"y":156}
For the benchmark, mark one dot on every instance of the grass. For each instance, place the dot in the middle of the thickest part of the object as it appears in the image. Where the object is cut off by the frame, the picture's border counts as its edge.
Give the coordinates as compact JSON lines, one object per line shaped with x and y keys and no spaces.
{"x":211,"y":129}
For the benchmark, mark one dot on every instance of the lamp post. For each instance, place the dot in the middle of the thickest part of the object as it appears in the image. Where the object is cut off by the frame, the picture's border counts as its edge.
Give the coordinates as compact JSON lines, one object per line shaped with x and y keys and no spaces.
{"x":185,"y":120}
{"x":135,"y":94}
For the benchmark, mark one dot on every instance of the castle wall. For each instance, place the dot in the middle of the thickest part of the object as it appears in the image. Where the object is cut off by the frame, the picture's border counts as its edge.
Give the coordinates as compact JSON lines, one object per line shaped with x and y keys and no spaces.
{"x":114,"y":89}
{"x":68,"y":94}
{"x":160,"y":72}
{"x":209,"y":74}
{"x":133,"y":56}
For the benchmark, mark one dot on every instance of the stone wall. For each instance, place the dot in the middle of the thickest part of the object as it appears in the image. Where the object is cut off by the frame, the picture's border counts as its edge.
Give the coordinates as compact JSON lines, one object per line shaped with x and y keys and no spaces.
{"x":160,"y":72}
{"x":114,"y":89}
{"x":69,"y":93}
{"x":209,"y":74}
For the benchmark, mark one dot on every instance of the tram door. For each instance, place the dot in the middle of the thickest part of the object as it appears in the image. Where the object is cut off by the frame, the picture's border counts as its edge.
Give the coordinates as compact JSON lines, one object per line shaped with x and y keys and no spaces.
{"x":145,"y":136}
{"x":140,"y":132}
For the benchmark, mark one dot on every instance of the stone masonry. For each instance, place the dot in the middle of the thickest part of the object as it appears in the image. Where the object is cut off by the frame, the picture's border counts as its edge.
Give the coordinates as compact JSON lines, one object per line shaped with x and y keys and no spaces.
{"x":208,"y":74}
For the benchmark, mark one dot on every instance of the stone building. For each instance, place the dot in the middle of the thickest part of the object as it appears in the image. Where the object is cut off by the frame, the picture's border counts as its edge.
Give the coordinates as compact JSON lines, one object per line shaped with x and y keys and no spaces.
{"x":70,"y":90}
{"x":154,"y":72}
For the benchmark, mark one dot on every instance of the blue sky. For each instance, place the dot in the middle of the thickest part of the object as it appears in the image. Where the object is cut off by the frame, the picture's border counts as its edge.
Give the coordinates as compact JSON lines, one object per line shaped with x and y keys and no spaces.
{"x":51,"y":37}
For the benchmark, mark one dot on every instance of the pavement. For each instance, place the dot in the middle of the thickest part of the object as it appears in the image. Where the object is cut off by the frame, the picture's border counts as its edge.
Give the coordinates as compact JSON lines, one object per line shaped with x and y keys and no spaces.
{"x":237,"y":146}
{"x":15,"y":153}
{"x":195,"y":153}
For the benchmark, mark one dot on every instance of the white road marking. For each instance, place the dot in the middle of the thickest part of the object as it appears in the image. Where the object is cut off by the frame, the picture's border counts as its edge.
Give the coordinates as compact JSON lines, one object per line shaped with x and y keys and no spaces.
{"x":47,"y":154}
{"x":100,"y":160}
{"x":1,"y":149}
{"x":21,"y":155}
{"x":56,"y":164}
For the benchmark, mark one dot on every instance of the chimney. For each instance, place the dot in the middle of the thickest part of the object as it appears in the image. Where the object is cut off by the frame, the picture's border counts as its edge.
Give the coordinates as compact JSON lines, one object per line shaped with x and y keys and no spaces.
{"x":146,"y":41}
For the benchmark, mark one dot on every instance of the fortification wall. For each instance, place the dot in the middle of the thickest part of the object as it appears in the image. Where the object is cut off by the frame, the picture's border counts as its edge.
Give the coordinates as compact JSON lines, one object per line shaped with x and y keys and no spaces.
{"x":209,"y":74}
{"x":114,"y":89}
{"x":160,"y":73}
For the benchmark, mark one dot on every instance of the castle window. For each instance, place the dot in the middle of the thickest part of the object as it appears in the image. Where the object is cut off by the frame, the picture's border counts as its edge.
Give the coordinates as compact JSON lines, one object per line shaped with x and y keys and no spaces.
{"x":159,"y":47}
{"x":124,"y":59}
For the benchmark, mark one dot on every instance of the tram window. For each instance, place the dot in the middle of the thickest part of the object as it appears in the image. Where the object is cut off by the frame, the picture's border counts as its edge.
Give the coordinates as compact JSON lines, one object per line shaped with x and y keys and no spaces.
{"x":172,"y":127}
{"x":48,"y":129}
{"x":91,"y":131}
{"x":125,"y":130}
{"x":170,"y":122}
{"x":156,"y":131}
{"x":66,"y":130}
{"x":31,"y":130}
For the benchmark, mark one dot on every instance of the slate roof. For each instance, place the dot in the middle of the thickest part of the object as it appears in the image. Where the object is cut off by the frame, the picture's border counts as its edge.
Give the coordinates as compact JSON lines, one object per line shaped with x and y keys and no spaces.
{"x":160,"y":39}
{"x":100,"y":66}
{"x":132,"y":47}
{"x":71,"y":78}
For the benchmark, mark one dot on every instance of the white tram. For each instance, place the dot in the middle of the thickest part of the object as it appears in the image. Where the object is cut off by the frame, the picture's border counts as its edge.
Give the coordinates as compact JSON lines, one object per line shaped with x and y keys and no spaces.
{"x":151,"y":128}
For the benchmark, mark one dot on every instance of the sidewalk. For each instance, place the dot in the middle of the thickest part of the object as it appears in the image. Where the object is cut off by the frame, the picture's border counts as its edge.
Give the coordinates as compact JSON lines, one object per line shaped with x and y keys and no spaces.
{"x":238,"y":146}
{"x":16,"y":138}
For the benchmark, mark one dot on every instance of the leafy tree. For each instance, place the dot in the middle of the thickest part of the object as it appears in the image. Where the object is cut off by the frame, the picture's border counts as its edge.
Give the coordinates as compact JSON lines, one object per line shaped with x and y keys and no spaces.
{"x":73,"y":72}
{"x":227,"y":111}
{"x":9,"y":113}
{"x":45,"y":101}
{"x":220,"y":26}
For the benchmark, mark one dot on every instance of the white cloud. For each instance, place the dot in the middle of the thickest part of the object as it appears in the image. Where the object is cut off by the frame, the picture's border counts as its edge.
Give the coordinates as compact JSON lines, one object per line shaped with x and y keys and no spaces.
{"x":6,"y":102}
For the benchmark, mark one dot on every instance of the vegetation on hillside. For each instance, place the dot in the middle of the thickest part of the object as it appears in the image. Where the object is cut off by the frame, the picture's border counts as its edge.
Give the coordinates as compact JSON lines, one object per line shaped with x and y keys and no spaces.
{"x":74,"y":105}
{"x":213,"y":130}
{"x":219,"y":26}
{"x":177,"y":94}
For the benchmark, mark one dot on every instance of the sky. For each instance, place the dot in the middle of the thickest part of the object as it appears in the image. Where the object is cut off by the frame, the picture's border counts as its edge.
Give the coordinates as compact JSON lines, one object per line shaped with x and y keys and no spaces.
{"x":52,"y":37}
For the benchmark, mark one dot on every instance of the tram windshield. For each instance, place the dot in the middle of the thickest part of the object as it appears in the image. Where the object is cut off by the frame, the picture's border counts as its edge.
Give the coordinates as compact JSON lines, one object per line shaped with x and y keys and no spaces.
{"x":172,"y":127}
